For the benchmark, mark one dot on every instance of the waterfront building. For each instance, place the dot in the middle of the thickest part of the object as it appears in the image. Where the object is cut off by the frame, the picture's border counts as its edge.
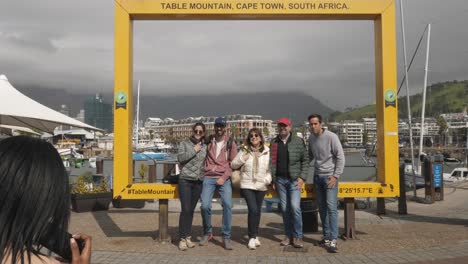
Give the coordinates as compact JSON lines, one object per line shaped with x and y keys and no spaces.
{"x":66,"y":111}
{"x":353,"y":132}
{"x":81,"y":116}
{"x":98,"y":113}
{"x":350,"y":132}
{"x":457,"y":128}
{"x":238,"y":126}
{"x":431,"y":130}
{"x":370,"y":130}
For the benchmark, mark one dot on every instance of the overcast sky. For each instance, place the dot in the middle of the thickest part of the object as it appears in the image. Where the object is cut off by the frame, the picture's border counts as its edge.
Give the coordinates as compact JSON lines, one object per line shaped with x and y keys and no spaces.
{"x":69,"y":45}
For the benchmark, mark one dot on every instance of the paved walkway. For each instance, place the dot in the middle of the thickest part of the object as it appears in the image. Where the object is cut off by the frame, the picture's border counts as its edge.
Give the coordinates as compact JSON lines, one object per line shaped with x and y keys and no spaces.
{"x":429,"y":233}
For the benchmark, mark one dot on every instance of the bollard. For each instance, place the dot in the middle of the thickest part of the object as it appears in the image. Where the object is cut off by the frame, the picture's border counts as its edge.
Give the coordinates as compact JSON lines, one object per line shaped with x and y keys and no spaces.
{"x":381,"y":206}
{"x":164,"y":221}
{"x":349,"y":218}
{"x":402,"y":208}
{"x":99,"y":166}
{"x":151,"y":172}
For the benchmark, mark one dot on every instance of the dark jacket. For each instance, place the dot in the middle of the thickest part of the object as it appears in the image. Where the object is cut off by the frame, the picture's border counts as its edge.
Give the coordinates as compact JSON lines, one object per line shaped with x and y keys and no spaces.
{"x":298,"y":166}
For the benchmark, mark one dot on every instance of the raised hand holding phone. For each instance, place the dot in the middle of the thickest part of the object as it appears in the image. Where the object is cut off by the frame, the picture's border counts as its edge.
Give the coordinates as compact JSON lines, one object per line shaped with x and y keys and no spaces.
{"x":80,"y":256}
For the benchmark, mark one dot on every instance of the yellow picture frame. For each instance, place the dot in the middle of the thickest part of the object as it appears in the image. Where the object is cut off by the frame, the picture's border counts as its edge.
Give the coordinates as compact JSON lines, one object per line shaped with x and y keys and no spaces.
{"x":382,"y":12}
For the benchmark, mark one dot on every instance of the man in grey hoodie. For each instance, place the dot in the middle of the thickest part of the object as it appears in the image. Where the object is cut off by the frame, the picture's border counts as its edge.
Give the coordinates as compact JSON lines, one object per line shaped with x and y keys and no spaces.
{"x":326,"y":153}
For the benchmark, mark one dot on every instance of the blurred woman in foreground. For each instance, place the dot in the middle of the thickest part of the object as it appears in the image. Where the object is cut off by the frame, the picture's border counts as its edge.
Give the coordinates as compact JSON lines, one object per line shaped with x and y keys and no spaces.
{"x":34,"y":203}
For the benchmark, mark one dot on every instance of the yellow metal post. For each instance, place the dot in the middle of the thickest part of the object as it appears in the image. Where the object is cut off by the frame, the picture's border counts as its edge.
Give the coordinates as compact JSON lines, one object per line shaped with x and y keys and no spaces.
{"x":123,"y":105}
{"x":386,"y":98}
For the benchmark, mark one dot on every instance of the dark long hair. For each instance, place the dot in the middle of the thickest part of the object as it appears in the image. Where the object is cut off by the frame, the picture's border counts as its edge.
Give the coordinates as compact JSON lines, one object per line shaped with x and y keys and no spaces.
{"x":34,"y":196}
{"x":258,"y":131}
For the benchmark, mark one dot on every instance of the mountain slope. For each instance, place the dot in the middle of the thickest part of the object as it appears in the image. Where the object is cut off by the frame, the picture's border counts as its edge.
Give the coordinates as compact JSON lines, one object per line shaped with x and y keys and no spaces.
{"x":295,"y":105}
{"x":446,"y":97}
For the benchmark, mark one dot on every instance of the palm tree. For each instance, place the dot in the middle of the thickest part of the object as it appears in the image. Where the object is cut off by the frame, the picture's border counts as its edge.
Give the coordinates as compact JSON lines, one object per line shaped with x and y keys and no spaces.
{"x":151,"y":133}
{"x":442,"y":129}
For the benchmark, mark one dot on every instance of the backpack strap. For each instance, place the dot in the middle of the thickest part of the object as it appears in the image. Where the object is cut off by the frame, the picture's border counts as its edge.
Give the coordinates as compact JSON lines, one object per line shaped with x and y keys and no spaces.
{"x":229,"y":147}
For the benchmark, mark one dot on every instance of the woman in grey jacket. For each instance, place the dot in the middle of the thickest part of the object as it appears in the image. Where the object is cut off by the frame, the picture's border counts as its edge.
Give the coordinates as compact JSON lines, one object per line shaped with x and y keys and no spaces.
{"x":191,"y":157}
{"x":253,"y":159}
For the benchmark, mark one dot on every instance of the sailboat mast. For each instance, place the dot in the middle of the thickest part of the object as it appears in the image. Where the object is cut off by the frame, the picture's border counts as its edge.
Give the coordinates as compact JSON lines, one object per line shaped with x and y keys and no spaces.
{"x":408,"y":104}
{"x":421,"y":133}
{"x":138,"y":112}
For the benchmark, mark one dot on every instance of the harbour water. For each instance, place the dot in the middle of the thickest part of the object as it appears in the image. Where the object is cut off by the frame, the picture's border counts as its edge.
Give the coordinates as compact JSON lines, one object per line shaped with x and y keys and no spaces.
{"x":356,"y":169}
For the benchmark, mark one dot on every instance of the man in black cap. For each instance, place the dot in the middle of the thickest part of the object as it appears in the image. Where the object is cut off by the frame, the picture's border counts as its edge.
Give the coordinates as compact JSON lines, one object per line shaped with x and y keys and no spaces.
{"x":221,"y":150}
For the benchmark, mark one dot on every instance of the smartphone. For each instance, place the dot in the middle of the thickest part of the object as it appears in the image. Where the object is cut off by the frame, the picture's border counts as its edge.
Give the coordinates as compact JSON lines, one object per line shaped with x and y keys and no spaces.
{"x":64,"y":251}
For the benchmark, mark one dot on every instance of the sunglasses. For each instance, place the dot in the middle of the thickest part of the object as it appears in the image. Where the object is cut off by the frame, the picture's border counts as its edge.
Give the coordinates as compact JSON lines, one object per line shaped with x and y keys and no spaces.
{"x":254,"y":135}
{"x":199,"y":132}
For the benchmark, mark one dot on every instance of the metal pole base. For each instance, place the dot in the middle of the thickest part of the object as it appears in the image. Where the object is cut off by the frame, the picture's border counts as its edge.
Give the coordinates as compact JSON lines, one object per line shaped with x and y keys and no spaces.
{"x":381,"y":206}
{"x":349,"y":218}
{"x":164,"y":236}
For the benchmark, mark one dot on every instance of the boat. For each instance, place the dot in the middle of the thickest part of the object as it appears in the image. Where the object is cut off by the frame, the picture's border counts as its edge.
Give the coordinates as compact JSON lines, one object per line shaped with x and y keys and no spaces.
{"x":145,"y":144}
{"x":149,"y":155}
{"x":413,"y":174}
{"x":92,"y":162}
{"x":152,"y":144}
{"x":452,"y":160}
{"x":457,"y":174}
{"x":413,"y":177}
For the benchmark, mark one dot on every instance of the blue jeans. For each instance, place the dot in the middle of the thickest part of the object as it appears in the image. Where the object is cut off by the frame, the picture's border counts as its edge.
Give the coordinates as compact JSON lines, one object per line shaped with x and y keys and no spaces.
{"x":327,"y":200}
{"x":290,"y":199}
{"x":225,"y":191}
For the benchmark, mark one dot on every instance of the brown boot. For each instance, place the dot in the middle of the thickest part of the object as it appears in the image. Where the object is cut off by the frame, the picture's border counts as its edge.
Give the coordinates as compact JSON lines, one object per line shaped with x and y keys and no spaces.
{"x":298,"y":243}
{"x":286,"y":241}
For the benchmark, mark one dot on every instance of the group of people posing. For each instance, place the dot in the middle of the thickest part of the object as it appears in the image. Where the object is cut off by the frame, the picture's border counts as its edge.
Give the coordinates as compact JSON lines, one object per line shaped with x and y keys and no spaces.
{"x":208,"y":162}
{"x":35,"y":189}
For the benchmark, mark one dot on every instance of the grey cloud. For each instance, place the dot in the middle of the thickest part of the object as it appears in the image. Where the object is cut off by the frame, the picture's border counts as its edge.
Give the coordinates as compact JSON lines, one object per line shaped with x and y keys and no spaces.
{"x":64,"y":44}
{"x":31,"y":40}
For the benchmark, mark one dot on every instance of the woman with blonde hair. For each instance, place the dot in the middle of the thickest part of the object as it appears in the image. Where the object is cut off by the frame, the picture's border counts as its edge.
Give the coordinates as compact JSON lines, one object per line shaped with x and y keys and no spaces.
{"x":253,"y":160}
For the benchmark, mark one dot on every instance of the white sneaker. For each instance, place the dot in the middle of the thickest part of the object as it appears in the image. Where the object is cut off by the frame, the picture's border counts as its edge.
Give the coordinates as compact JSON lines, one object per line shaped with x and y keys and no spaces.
{"x":333,"y":248}
{"x":189,"y":242}
{"x":182,"y":244}
{"x":251,"y":244}
{"x":257,"y":242}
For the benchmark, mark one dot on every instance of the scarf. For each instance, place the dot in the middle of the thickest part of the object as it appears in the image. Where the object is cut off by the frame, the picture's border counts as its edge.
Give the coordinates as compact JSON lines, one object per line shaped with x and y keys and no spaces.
{"x":255,"y":154}
{"x":194,"y":140}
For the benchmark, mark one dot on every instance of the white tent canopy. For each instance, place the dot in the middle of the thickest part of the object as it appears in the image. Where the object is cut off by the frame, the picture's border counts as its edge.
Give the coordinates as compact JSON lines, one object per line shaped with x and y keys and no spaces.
{"x":17,"y":109}
{"x":17,"y":128}
{"x":75,"y":132}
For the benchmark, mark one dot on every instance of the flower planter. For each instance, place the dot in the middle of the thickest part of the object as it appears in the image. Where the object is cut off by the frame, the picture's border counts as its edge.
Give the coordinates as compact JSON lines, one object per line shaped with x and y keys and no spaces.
{"x":134,"y":203}
{"x":90,"y":201}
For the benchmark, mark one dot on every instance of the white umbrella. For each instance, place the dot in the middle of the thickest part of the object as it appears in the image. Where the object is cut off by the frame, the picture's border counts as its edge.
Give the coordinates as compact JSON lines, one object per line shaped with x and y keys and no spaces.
{"x":17,"y":109}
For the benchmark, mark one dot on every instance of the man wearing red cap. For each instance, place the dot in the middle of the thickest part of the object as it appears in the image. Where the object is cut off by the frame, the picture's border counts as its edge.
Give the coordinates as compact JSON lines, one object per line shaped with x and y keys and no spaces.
{"x":289,"y":168}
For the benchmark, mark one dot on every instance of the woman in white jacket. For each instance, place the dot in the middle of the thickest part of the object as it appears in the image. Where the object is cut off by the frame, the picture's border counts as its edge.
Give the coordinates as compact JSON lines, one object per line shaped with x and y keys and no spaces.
{"x":253,"y":160}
